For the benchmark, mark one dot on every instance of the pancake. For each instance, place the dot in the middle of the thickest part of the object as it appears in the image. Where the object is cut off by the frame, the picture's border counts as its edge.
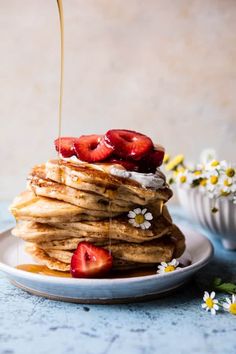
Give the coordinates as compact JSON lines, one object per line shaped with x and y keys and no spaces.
{"x":118,"y":229}
{"x":148,"y":253}
{"x":47,"y":188}
{"x":85,"y":177}
{"x":43,"y":258}
{"x":28,"y":206}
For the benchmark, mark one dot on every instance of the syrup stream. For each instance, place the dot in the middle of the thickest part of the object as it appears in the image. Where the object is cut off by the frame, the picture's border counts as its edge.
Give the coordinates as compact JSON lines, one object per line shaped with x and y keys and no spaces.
{"x":61,"y":17}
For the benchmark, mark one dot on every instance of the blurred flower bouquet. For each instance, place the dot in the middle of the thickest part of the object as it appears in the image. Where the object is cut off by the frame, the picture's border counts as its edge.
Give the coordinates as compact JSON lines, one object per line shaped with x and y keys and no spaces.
{"x":207,"y":192}
{"x":214,"y":178}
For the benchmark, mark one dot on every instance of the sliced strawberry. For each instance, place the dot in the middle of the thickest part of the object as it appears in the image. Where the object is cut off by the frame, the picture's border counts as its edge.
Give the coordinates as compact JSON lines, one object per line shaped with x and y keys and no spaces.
{"x":92,"y":148}
{"x":128,"y":165}
{"x":65,"y":146}
{"x":153,"y":160}
{"x":89,"y":261}
{"x":129,"y":144}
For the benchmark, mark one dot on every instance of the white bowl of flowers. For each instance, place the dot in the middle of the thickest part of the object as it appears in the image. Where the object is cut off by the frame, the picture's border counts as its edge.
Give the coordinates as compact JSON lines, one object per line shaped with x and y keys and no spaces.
{"x":207,"y":192}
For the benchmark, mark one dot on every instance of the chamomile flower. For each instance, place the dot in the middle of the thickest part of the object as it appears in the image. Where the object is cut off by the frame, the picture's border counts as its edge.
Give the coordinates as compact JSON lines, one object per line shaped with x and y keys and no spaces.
{"x":140,"y":218}
{"x":168,"y":267}
{"x":213,"y":165}
{"x":175,"y":162}
{"x":230,"y":305}
{"x":210,"y":303}
{"x":184,"y":178}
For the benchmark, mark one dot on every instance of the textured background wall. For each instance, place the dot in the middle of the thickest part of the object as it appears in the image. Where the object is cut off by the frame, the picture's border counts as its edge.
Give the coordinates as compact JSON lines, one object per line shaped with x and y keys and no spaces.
{"x":160,"y":66}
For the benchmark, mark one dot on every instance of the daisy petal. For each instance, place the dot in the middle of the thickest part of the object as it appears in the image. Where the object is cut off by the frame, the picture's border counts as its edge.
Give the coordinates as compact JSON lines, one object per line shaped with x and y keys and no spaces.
{"x":147,"y":224}
{"x":226,"y":306}
{"x":132,"y":221}
{"x":228,"y":300}
{"x":213,"y":294}
{"x":204,"y":306}
{"x":216,"y":307}
{"x":137,"y":211}
{"x":144,"y":211}
{"x":148,"y":216}
{"x":131,"y":214}
{"x":233,"y":298}
{"x":213,"y":311}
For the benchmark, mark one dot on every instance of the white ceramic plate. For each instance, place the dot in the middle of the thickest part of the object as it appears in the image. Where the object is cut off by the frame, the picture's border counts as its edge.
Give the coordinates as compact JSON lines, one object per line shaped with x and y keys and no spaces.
{"x":117,"y":290}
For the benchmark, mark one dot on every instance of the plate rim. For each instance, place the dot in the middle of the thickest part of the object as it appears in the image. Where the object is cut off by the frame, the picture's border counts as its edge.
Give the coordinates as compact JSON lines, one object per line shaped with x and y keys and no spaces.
{"x":9,"y":270}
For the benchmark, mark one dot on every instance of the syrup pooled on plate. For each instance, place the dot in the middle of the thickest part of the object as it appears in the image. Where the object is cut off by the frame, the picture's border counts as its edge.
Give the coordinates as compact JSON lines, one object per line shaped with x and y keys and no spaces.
{"x":43,"y":270}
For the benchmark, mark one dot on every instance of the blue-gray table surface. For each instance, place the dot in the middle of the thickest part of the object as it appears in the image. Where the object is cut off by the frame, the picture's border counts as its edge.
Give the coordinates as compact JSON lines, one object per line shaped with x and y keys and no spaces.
{"x":173,"y":324}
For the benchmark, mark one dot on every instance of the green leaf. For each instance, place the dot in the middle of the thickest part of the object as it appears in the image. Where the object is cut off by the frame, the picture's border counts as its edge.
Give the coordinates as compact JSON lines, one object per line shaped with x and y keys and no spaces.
{"x":224,"y":287}
{"x":217,"y":281}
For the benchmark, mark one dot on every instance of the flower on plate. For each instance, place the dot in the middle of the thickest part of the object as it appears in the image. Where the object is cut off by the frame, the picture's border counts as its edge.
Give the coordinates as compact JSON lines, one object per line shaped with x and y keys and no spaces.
{"x":140,"y":218}
{"x":168,"y":267}
{"x":210,"y":303}
{"x":230,"y":305}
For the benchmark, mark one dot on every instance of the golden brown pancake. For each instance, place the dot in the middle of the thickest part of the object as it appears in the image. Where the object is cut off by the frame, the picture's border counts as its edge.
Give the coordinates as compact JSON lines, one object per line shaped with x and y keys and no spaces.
{"x":88,"y":200}
{"x":28,"y":206}
{"x":85,"y":177}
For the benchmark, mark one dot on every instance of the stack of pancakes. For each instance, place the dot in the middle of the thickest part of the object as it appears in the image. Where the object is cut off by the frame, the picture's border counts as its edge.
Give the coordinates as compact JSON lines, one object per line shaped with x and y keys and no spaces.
{"x":67,"y":203}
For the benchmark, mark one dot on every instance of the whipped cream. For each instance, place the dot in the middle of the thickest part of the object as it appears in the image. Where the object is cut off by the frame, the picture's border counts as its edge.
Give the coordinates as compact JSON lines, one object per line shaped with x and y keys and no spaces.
{"x":105,"y":167}
{"x":147,"y":180}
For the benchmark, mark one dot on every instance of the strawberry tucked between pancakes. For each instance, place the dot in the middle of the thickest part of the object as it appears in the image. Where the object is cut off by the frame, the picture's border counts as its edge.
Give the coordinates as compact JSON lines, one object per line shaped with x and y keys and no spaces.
{"x":89,"y":261}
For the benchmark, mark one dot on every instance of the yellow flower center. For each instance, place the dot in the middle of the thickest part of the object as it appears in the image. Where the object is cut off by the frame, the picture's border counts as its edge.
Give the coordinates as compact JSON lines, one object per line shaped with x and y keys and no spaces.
{"x":203,"y":182}
{"x":215,"y":163}
{"x":227,"y":183}
{"x":224,"y":193}
{"x":232,"y":309}
{"x":197,"y":173}
{"x":209,"y":303}
{"x":169,"y":268}
{"x":139,"y":219}
{"x":230,"y":172}
{"x":214,"y":179}
{"x":183,"y":179}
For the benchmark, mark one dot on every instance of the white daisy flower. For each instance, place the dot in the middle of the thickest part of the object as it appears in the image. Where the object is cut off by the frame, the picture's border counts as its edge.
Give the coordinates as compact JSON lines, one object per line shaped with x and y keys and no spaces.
{"x":168,"y":267}
{"x":230,"y":305}
{"x":184,"y":179}
{"x":216,"y":165}
{"x":140,"y":218}
{"x":210,"y":303}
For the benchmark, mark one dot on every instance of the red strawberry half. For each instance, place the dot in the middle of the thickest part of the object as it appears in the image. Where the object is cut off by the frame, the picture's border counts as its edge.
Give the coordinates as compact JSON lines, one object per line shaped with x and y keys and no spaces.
{"x":129,"y":144}
{"x":153,"y":160}
{"x":92,"y":148}
{"x":65,"y":146}
{"x":128,"y":165}
{"x":89,"y":261}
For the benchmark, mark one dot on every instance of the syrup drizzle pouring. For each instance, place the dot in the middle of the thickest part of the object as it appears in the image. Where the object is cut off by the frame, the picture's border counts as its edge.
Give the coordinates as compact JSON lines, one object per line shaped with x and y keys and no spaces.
{"x":61,"y":17}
